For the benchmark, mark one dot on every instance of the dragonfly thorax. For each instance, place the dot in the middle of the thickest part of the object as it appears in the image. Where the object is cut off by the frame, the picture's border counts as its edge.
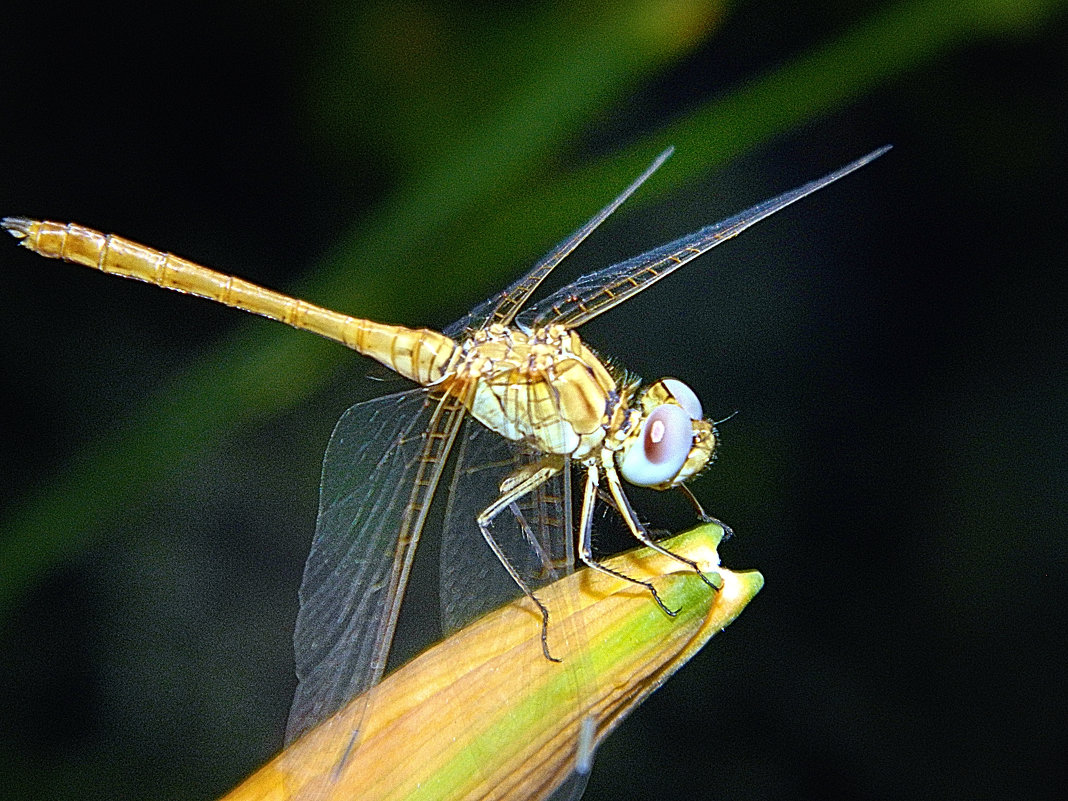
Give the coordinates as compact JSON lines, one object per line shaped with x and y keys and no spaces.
{"x":545,"y":388}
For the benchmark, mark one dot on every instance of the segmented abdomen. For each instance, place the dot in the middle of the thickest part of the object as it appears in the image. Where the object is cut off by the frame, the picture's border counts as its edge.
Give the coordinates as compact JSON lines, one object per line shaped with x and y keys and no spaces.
{"x":420,"y":355}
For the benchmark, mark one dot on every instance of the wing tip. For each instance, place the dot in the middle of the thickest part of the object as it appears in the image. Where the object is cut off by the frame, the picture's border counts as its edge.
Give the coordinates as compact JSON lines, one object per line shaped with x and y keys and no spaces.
{"x":879,"y":151}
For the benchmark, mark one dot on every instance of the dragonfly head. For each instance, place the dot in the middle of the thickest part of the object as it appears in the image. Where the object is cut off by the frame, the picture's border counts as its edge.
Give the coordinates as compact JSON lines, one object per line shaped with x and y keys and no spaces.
{"x":671,"y":442}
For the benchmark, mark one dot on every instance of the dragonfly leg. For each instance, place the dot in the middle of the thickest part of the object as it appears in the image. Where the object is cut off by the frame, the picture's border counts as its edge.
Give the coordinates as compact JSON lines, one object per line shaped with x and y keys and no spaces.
{"x":586,"y":539}
{"x":551,"y":567}
{"x":702,"y":515}
{"x":512,"y":491}
{"x":638,"y":530}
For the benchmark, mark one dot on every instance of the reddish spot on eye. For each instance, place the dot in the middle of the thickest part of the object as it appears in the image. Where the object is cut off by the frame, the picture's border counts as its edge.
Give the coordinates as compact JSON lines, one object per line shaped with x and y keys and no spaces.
{"x":658,"y":456}
{"x":668,"y":435}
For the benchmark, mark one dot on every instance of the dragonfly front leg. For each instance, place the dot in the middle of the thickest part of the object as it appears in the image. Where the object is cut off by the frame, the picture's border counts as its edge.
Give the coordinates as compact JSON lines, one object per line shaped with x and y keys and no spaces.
{"x":615,"y":486}
{"x":513,"y":489}
{"x":589,"y":496}
{"x":702,"y":515}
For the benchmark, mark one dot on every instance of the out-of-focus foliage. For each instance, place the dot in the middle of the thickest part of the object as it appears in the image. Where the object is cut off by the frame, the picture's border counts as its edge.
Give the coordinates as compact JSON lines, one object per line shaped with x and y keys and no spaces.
{"x":471,"y":152}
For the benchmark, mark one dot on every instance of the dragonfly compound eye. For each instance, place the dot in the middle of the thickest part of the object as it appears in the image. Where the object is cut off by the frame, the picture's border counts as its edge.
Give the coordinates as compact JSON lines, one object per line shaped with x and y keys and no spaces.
{"x":659,"y":452}
{"x":685,"y":396}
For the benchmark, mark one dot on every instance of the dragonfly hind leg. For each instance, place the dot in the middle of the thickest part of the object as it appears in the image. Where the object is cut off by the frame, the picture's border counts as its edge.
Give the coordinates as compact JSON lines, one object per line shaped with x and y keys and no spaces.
{"x":513,"y":489}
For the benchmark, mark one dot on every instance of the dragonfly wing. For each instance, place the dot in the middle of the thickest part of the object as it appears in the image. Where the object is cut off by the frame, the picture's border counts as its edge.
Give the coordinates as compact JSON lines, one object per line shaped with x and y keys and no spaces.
{"x":532,"y":533}
{"x":380,"y":472}
{"x":598,"y":292}
{"x":503,"y":307}
{"x":536,"y":535}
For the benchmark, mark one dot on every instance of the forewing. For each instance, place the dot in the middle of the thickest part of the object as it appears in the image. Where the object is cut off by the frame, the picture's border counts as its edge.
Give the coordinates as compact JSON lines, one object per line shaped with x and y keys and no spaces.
{"x":503,"y":307}
{"x":598,"y":292}
{"x":380,"y":472}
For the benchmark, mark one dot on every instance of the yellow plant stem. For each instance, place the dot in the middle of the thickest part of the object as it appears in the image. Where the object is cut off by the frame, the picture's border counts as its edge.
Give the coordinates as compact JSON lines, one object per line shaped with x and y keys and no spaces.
{"x":484,"y":715}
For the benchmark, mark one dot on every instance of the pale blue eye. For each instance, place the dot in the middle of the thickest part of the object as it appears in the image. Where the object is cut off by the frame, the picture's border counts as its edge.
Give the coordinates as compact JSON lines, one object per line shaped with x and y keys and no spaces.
{"x":659,"y":453}
{"x":686,"y":397}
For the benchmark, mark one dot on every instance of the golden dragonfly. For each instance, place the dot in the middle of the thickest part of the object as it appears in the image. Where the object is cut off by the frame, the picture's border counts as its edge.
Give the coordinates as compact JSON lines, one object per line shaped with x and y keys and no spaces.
{"x":514,"y":390}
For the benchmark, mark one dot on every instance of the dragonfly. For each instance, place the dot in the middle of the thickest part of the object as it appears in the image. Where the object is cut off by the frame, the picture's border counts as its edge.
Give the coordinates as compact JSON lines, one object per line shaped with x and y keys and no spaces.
{"x":510,"y":389}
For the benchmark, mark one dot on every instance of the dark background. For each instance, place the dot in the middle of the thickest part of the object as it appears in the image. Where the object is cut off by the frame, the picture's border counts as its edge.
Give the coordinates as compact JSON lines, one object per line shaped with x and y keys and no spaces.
{"x":894,"y":347}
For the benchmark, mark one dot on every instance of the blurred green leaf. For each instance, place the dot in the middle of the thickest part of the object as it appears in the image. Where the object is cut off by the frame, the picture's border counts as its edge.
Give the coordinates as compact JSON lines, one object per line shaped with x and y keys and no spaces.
{"x":551,"y":93}
{"x":487,"y":76}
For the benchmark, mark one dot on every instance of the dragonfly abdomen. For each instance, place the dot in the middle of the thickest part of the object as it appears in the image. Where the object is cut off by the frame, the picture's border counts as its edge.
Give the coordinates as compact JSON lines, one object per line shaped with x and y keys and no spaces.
{"x":420,"y":355}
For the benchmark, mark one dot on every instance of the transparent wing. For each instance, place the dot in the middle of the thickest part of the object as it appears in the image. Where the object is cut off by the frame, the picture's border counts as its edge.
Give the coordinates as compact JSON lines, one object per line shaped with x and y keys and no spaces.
{"x":533,"y":533}
{"x":381,"y":469}
{"x":503,"y":307}
{"x":536,"y":534}
{"x":598,"y":292}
